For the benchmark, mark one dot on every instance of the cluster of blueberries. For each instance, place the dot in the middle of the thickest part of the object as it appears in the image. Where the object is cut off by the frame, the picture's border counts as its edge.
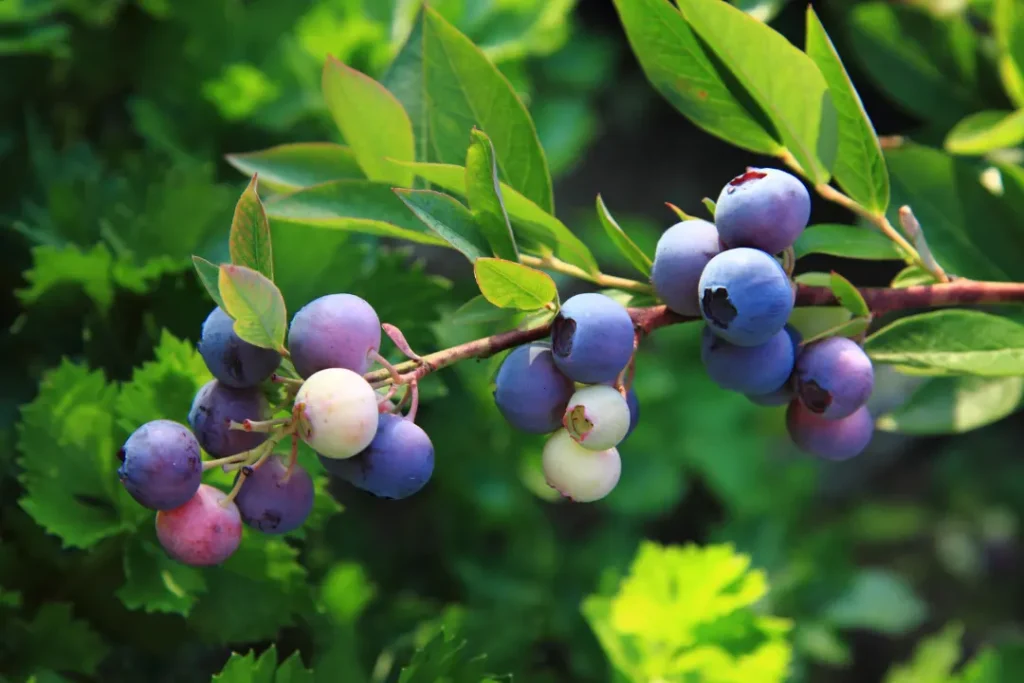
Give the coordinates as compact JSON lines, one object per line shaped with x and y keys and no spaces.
{"x":358,"y":433}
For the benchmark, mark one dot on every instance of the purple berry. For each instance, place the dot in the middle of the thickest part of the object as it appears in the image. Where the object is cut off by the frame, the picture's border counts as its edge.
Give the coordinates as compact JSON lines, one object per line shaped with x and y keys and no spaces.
{"x":530,"y":391}
{"x":397,"y":463}
{"x":634,"y":411}
{"x":834,"y":377}
{"x":682,"y":252}
{"x":334,"y":331}
{"x":757,"y":369}
{"x":204,"y":531}
{"x":213,"y":409}
{"x":746,"y":297}
{"x":161,"y":466}
{"x":831,"y":439}
{"x":764,"y":208}
{"x":783,"y":394}
{"x":274,"y":501}
{"x":234,"y":362}
{"x":592,"y":338}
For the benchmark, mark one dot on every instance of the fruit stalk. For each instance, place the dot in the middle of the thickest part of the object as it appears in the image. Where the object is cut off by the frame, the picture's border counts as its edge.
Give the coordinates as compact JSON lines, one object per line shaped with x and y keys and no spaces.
{"x":599,"y":279}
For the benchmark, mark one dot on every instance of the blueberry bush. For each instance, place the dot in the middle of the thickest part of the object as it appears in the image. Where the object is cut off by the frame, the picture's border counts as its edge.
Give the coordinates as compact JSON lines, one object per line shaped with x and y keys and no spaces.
{"x":308,"y":380}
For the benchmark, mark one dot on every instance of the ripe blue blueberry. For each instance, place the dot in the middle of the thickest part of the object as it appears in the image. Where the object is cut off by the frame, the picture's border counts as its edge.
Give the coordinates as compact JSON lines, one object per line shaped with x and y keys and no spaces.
{"x":334,"y":331}
{"x":746,"y":297}
{"x":215,"y":406}
{"x":397,"y":463}
{"x":273,"y":500}
{"x":757,"y":369}
{"x":834,"y":377}
{"x":592,"y":338}
{"x":234,"y":362}
{"x":765,"y":208}
{"x":831,"y":439}
{"x":783,"y":394}
{"x":161,"y":466}
{"x":204,"y":531}
{"x":682,"y":252}
{"x":530,"y":391}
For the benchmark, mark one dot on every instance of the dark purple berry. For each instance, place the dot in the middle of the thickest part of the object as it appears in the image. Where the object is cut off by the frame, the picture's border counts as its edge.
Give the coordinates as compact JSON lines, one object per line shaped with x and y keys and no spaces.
{"x":834,"y":377}
{"x":234,"y":362}
{"x":161,"y":465}
{"x":831,"y":439}
{"x":334,"y":331}
{"x":530,"y":391}
{"x":274,"y":501}
{"x":215,"y":406}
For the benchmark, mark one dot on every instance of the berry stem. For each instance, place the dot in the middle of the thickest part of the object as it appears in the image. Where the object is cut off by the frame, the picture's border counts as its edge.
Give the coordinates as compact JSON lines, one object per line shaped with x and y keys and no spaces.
{"x":229,"y":460}
{"x":259,"y":425}
{"x":600,"y":279}
{"x":414,"y":389}
{"x":396,"y":376}
{"x":281,"y":379}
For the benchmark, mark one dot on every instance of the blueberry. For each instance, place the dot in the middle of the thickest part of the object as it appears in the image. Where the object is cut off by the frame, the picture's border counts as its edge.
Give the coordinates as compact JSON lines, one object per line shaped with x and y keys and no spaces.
{"x":765,"y":208}
{"x":397,"y":463}
{"x":334,"y":331}
{"x":339,"y":412}
{"x":234,"y":362}
{"x":204,"y":531}
{"x":592,"y":338}
{"x":597,"y":417}
{"x":161,"y":466}
{"x":530,"y":391}
{"x":579,"y":474}
{"x":831,"y":439}
{"x":274,"y":501}
{"x":760,"y":369}
{"x":783,"y":394}
{"x":679,"y":259}
{"x":213,"y":409}
{"x":834,"y":377}
{"x":746,"y":297}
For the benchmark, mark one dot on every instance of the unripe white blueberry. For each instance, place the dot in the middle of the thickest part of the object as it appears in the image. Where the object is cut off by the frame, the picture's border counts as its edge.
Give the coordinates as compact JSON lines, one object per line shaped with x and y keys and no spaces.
{"x":339,"y":412}
{"x":577,"y":473}
{"x":597,"y":417}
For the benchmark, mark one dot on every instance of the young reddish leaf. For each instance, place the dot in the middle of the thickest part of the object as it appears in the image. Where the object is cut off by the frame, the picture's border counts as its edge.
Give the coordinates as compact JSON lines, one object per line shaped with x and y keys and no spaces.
{"x":256,"y":305}
{"x":249,"y":239}
{"x":396,"y":336}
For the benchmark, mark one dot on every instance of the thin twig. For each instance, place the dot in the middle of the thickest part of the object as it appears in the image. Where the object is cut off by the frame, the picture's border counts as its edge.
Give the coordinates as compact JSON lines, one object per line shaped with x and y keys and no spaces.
{"x":600,"y":279}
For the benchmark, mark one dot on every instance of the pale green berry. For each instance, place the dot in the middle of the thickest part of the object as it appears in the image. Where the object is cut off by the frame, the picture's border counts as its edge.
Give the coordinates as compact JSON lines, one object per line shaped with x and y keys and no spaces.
{"x":577,"y":473}
{"x":338,"y":412}
{"x":597,"y":417}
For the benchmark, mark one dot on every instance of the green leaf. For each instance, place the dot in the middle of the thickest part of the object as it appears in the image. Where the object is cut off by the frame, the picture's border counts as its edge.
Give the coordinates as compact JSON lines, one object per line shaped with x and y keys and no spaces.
{"x":912,"y":276}
{"x":859,"y":167}
{"x":848,"y":241}
{"x":677,"y":65}
{"x":848,"y":295}
{"x":850,"y":328}
{"x":249,"y":239}
{"x":248,"y":668}
{"x":372,"y":121}
{"x":626,"y":246}
{"x":55,"y":266}
{"x":952,"y":341}
{"x":289,"y":167}
{"x":449,"y":219}
{"x":783,"y":81}
{"x":156,"y":583}
{"x":531,"y":224}
{"x":507,"y":284}
{"x":255,"y":304}
{"x":445,"y":657}
{"x":710,"y":205}
{"x":448,"y":87}
{"x":483,"y":191}
{"x":63,"y":642}
{"x":209,"y":276}
{"x":1008,"y":25}
{"x":878,"y":600}
{"x":345,"y":592}
{"x":985,"y":131}
{"x":953,"y":405}
{"x":933,"y":660}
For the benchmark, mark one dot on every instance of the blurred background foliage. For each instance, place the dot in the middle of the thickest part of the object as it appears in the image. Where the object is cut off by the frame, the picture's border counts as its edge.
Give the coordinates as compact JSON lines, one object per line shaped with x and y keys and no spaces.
{"x":115,"y":116}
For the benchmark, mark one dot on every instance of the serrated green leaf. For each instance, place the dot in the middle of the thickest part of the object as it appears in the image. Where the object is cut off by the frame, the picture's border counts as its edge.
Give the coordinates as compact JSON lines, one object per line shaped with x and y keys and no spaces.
{"x":507,"y":284}
{"x":677,"y":65}
{"x":155,"y":583}
{"x":372,"y":121}
{"x":444,"y":658}
{"x":448,"y":86}
{"x":447,"y":218}
{"x":255,"y":304}
{"x":249,"y":238}
{"x":848,"y":295}
{"x":249,"y":668}
{"x":623,"y":243}
{"x":985,"y":131}
{"x":483,"y":192}
{"x":63,"y":642}
{"x":848,"y":241}
{"x":953,"y":405}
{"x":878,"y":600}
{"x":859,"y":167}
{"x":289,"y":167}
{"x":933,"y":660}
{"x":783,"y":81}
{"x":952,"y":341}
{"x":209,"y":276}
{"x":55,"y":266}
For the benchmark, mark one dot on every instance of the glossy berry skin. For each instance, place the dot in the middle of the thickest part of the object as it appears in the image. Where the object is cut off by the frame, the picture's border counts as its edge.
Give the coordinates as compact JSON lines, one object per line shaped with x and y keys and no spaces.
{"x":215,"y":406}
{"x":274,"y":502}
{"x":784,"y":394}
{"x":579,"y":474}
{"x":234,"y":362}
{"x":202,"y":532}
{"x":592,"y":338}
{"x":834,"y":377}
{"x":831,"y":439}
{"x":530,"y":391}
{"x":764,"y":208}
{"x":679,"y":259}
{"x":597,"y":417}
{"x":339,"y":410}
{"x":161,"y":465}
{"x":746,"y":297}
{"x":757,"y":369}
{"x":334,"y":331}
{"x":398,"y":462}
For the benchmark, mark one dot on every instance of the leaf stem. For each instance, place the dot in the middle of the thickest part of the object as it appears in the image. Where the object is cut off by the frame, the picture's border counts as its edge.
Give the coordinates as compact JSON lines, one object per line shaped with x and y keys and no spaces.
{"x":600,"y":279}
{"x":877,"y":219}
